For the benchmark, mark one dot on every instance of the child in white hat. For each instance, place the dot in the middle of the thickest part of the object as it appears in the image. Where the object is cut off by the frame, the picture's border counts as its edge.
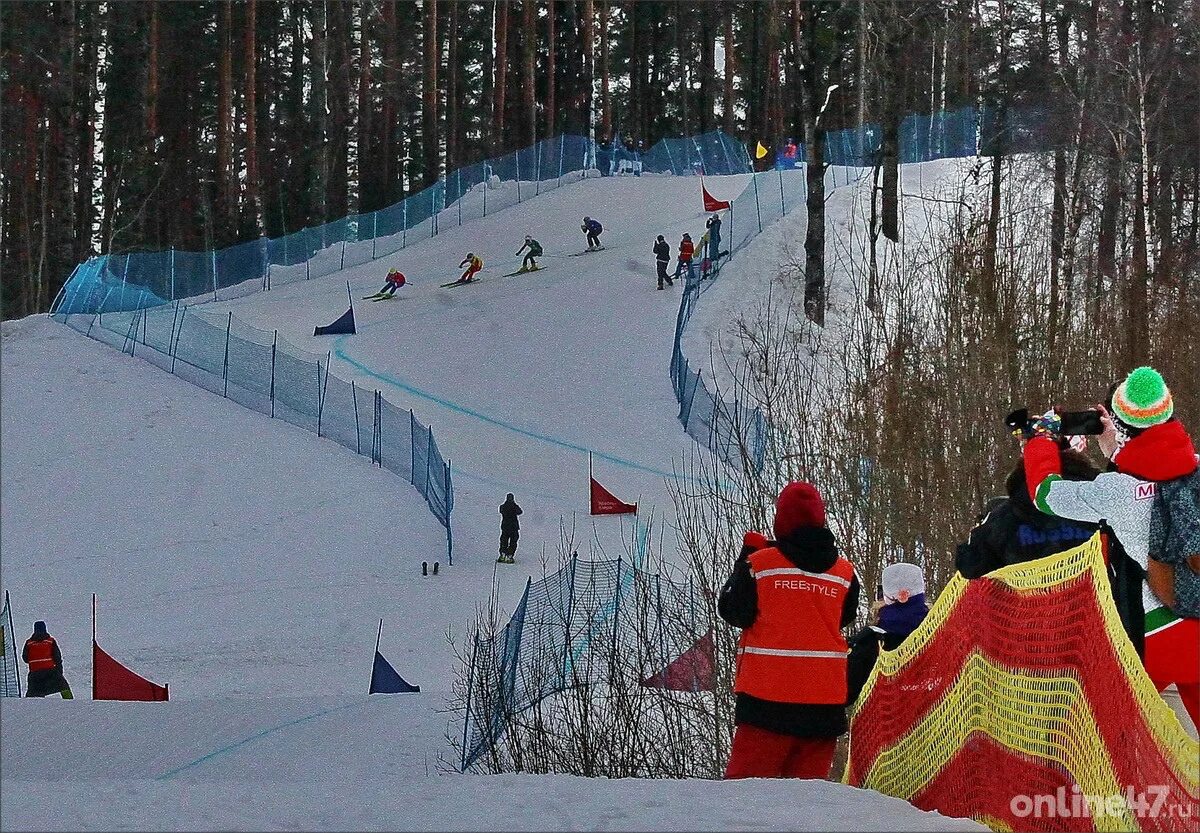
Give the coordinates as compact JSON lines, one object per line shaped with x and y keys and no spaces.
{"x":899,"y":610}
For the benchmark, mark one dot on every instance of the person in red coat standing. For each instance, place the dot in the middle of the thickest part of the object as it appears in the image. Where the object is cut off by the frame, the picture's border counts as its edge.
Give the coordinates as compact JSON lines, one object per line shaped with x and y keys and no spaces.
{"x":687,"y":249}
{"x":791,"y":597}
{"x":45,"y":663}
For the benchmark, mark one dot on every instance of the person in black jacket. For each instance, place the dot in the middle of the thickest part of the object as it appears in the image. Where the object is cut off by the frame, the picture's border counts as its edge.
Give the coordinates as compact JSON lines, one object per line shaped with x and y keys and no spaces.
{"x":45,"y":663}
{"x":662,"y":256}
{"x":509,"y":529}
{"x":899,"y":610}
{"x":713,"y":224}
{"x":1015,"y":531}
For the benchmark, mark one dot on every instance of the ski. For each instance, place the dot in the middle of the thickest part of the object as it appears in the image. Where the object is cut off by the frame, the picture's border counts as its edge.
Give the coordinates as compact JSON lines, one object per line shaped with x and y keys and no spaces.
{"x":374,"y":297}
{"x":524,"y":271}
{"x":587,"y":251}
{"x":460,"y":282}
{"x":385,"y":298}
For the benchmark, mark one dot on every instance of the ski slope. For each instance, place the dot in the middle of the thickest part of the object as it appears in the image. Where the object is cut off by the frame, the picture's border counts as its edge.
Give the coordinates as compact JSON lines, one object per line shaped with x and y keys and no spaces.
{"x":246,"y":562}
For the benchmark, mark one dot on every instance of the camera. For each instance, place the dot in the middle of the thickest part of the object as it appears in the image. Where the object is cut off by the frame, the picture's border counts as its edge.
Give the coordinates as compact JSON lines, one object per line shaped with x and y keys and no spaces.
{"x":1070,"y":423}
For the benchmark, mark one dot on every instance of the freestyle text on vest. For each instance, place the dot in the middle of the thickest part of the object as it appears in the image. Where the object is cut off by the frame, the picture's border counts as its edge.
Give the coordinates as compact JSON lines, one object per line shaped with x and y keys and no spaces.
{"x":795,"y":652}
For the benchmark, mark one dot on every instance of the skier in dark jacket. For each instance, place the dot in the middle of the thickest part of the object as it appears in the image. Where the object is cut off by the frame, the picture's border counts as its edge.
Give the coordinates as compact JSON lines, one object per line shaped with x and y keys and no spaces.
{"x":714,"y":238}
{"x":898,"y":612}
{"x":42,"y":655}
{"x":509,"y":529}
{"x":791,"y":598}
{"x":592,"y":229}
{"x":662,"y":256}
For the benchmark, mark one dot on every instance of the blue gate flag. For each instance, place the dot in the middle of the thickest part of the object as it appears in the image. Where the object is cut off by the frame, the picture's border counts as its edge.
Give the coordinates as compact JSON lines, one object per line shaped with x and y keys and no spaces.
{"x":385,"y":680}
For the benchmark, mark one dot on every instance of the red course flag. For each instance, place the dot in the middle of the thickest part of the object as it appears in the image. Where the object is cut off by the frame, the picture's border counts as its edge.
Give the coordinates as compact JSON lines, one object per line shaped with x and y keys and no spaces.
{"x":690,"y":671}
{"x":605,"y":502}
{"x":113,"y":681}
{"x":711,"y":203}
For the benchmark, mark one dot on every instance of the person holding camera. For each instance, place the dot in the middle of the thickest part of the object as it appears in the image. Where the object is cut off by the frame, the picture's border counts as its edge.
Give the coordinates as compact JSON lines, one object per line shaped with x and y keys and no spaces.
{"x":1147,"y":447}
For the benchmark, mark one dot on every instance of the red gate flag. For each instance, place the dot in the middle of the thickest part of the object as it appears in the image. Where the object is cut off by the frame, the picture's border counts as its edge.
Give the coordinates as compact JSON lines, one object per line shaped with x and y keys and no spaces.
{"x":690,"y":671}
{"x":113,"y":681}
{"x":711,"y":203}
{"x":605,"y":502}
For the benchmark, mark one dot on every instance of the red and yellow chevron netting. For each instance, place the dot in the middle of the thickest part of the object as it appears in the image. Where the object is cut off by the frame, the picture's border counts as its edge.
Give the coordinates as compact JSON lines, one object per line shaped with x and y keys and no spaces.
{"x":1020,"y":702}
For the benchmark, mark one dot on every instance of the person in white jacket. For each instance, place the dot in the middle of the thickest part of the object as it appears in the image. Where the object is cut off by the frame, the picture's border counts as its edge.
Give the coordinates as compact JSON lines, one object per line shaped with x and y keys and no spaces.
{"x":1146,"y":446}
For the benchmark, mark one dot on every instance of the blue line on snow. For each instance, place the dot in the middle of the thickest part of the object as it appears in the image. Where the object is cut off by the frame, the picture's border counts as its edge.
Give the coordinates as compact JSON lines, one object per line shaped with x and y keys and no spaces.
{"x":463,"y":409}
{"x":170,"y":773}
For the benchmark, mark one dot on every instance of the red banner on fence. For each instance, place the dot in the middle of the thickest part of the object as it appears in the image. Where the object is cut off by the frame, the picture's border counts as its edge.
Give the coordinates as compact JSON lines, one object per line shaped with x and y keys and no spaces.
{"x":605,"y":502}
{"x":711,"y":203}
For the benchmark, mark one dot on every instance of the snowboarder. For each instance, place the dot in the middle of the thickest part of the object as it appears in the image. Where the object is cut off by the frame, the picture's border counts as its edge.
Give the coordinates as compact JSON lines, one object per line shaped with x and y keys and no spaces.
{"x":510,"y":529}
{"x":662,"y":256}
{"x":593,"y":229}
{"x":791,"y":598}
{"x":899,"y":610}
{"x":1148,"y":447}
{"x":473,"y":264}
{"x":395,"y":280}
{"x":714,"y":237}
{"x":529,"y":264}
{"x":686,"y":250}
{"x":45,"y":665}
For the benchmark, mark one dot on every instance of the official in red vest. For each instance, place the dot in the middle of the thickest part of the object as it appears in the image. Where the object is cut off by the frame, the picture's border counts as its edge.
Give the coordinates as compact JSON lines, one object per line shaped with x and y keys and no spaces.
{"x":791,"y":598}
{"x":44,"y":659}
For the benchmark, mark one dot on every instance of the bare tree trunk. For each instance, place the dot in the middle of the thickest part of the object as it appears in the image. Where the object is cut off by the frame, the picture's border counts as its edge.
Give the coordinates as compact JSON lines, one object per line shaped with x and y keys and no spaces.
{"x":251,"y":117}
{"x":551,"y":67}
{"x":500,"y":77}
{"x":727,"y":104}
{"x":429,"y":112}
{"x":708,"y":72}
{"x":589,"y":64}
{"x":529,"y":51}
{"x":152,"y":79}
{"x":364,"y":158}
{"x":391,"y":148}
{"x":226,"y":201}
{"x":605,"y":100}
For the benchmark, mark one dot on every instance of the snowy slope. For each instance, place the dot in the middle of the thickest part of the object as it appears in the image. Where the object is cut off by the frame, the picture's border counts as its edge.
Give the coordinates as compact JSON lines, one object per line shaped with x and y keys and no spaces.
{"x":247,"y":562}
{"x":355,"y":764}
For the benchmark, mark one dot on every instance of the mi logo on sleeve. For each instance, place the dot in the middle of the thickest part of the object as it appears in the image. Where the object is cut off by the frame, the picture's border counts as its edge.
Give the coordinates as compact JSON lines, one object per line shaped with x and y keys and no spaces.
{"x":1143,"y":491}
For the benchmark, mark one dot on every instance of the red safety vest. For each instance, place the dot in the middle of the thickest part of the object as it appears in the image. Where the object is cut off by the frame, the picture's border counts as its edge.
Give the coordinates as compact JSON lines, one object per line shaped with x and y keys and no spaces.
{"x":40,"y":653}
{"x":795,"y":652}
{"x":686,"y":250}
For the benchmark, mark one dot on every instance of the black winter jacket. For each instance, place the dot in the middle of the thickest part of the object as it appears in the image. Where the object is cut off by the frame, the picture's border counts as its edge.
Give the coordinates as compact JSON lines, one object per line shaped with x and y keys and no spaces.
{"x":1015,"y":531}
{"x":864,"y":651}
{"x":662,"y":251}
{"x":508,"y":515}
{"x":812,"y":549}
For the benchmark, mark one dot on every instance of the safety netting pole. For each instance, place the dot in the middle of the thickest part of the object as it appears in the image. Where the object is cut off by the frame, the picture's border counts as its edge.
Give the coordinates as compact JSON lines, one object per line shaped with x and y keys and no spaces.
{"x":225,"y":372}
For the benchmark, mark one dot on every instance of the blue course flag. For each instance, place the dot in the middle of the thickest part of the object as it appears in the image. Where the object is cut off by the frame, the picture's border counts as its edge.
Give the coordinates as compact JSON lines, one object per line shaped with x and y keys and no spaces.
{"x":385,"y":680}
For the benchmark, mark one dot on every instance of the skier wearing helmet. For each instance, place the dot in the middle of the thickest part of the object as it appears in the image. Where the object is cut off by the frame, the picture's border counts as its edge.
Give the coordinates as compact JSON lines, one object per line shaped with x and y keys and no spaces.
{"x":529,"y":264}
{"x":592,"y":228}
{"x":473,"y":264}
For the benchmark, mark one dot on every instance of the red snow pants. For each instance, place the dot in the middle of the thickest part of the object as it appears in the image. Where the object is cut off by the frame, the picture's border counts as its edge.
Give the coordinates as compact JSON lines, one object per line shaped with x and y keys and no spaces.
{"x":758,"y":753}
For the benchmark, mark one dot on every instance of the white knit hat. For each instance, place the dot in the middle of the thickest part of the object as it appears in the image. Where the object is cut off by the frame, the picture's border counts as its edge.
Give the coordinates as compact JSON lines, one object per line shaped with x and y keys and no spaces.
{"x":902,"y":581}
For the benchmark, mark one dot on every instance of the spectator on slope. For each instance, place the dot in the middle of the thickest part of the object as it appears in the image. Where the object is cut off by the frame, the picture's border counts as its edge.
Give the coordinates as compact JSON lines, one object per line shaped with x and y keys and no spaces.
{"x":713,"y":225}
{"x":45,"y":663}
{"x":473,"y":264}
{"x":1147,"y":448}
{"x":510,"y":529}
{"x":395,"y":279}
{"x":791,"y":598}
{"x":662,"y":256}
{"x":529,"y":264}
{"x":686,"y":250}
{"x":898,"y":612}
{"x":1012,"y":531}
{"x":592,"y":229}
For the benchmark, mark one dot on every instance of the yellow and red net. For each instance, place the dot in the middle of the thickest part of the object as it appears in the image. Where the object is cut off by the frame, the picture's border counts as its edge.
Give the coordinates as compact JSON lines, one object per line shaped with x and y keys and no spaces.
{"x":1020,"y":702}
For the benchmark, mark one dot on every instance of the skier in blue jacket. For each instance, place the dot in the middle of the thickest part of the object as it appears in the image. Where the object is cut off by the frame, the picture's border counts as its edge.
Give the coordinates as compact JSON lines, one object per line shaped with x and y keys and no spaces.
{"x":592,"y":228}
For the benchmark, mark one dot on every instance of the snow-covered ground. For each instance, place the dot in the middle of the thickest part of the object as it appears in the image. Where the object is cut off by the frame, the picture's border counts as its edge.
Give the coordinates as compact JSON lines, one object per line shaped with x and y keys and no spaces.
{"x":247,"y":562}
